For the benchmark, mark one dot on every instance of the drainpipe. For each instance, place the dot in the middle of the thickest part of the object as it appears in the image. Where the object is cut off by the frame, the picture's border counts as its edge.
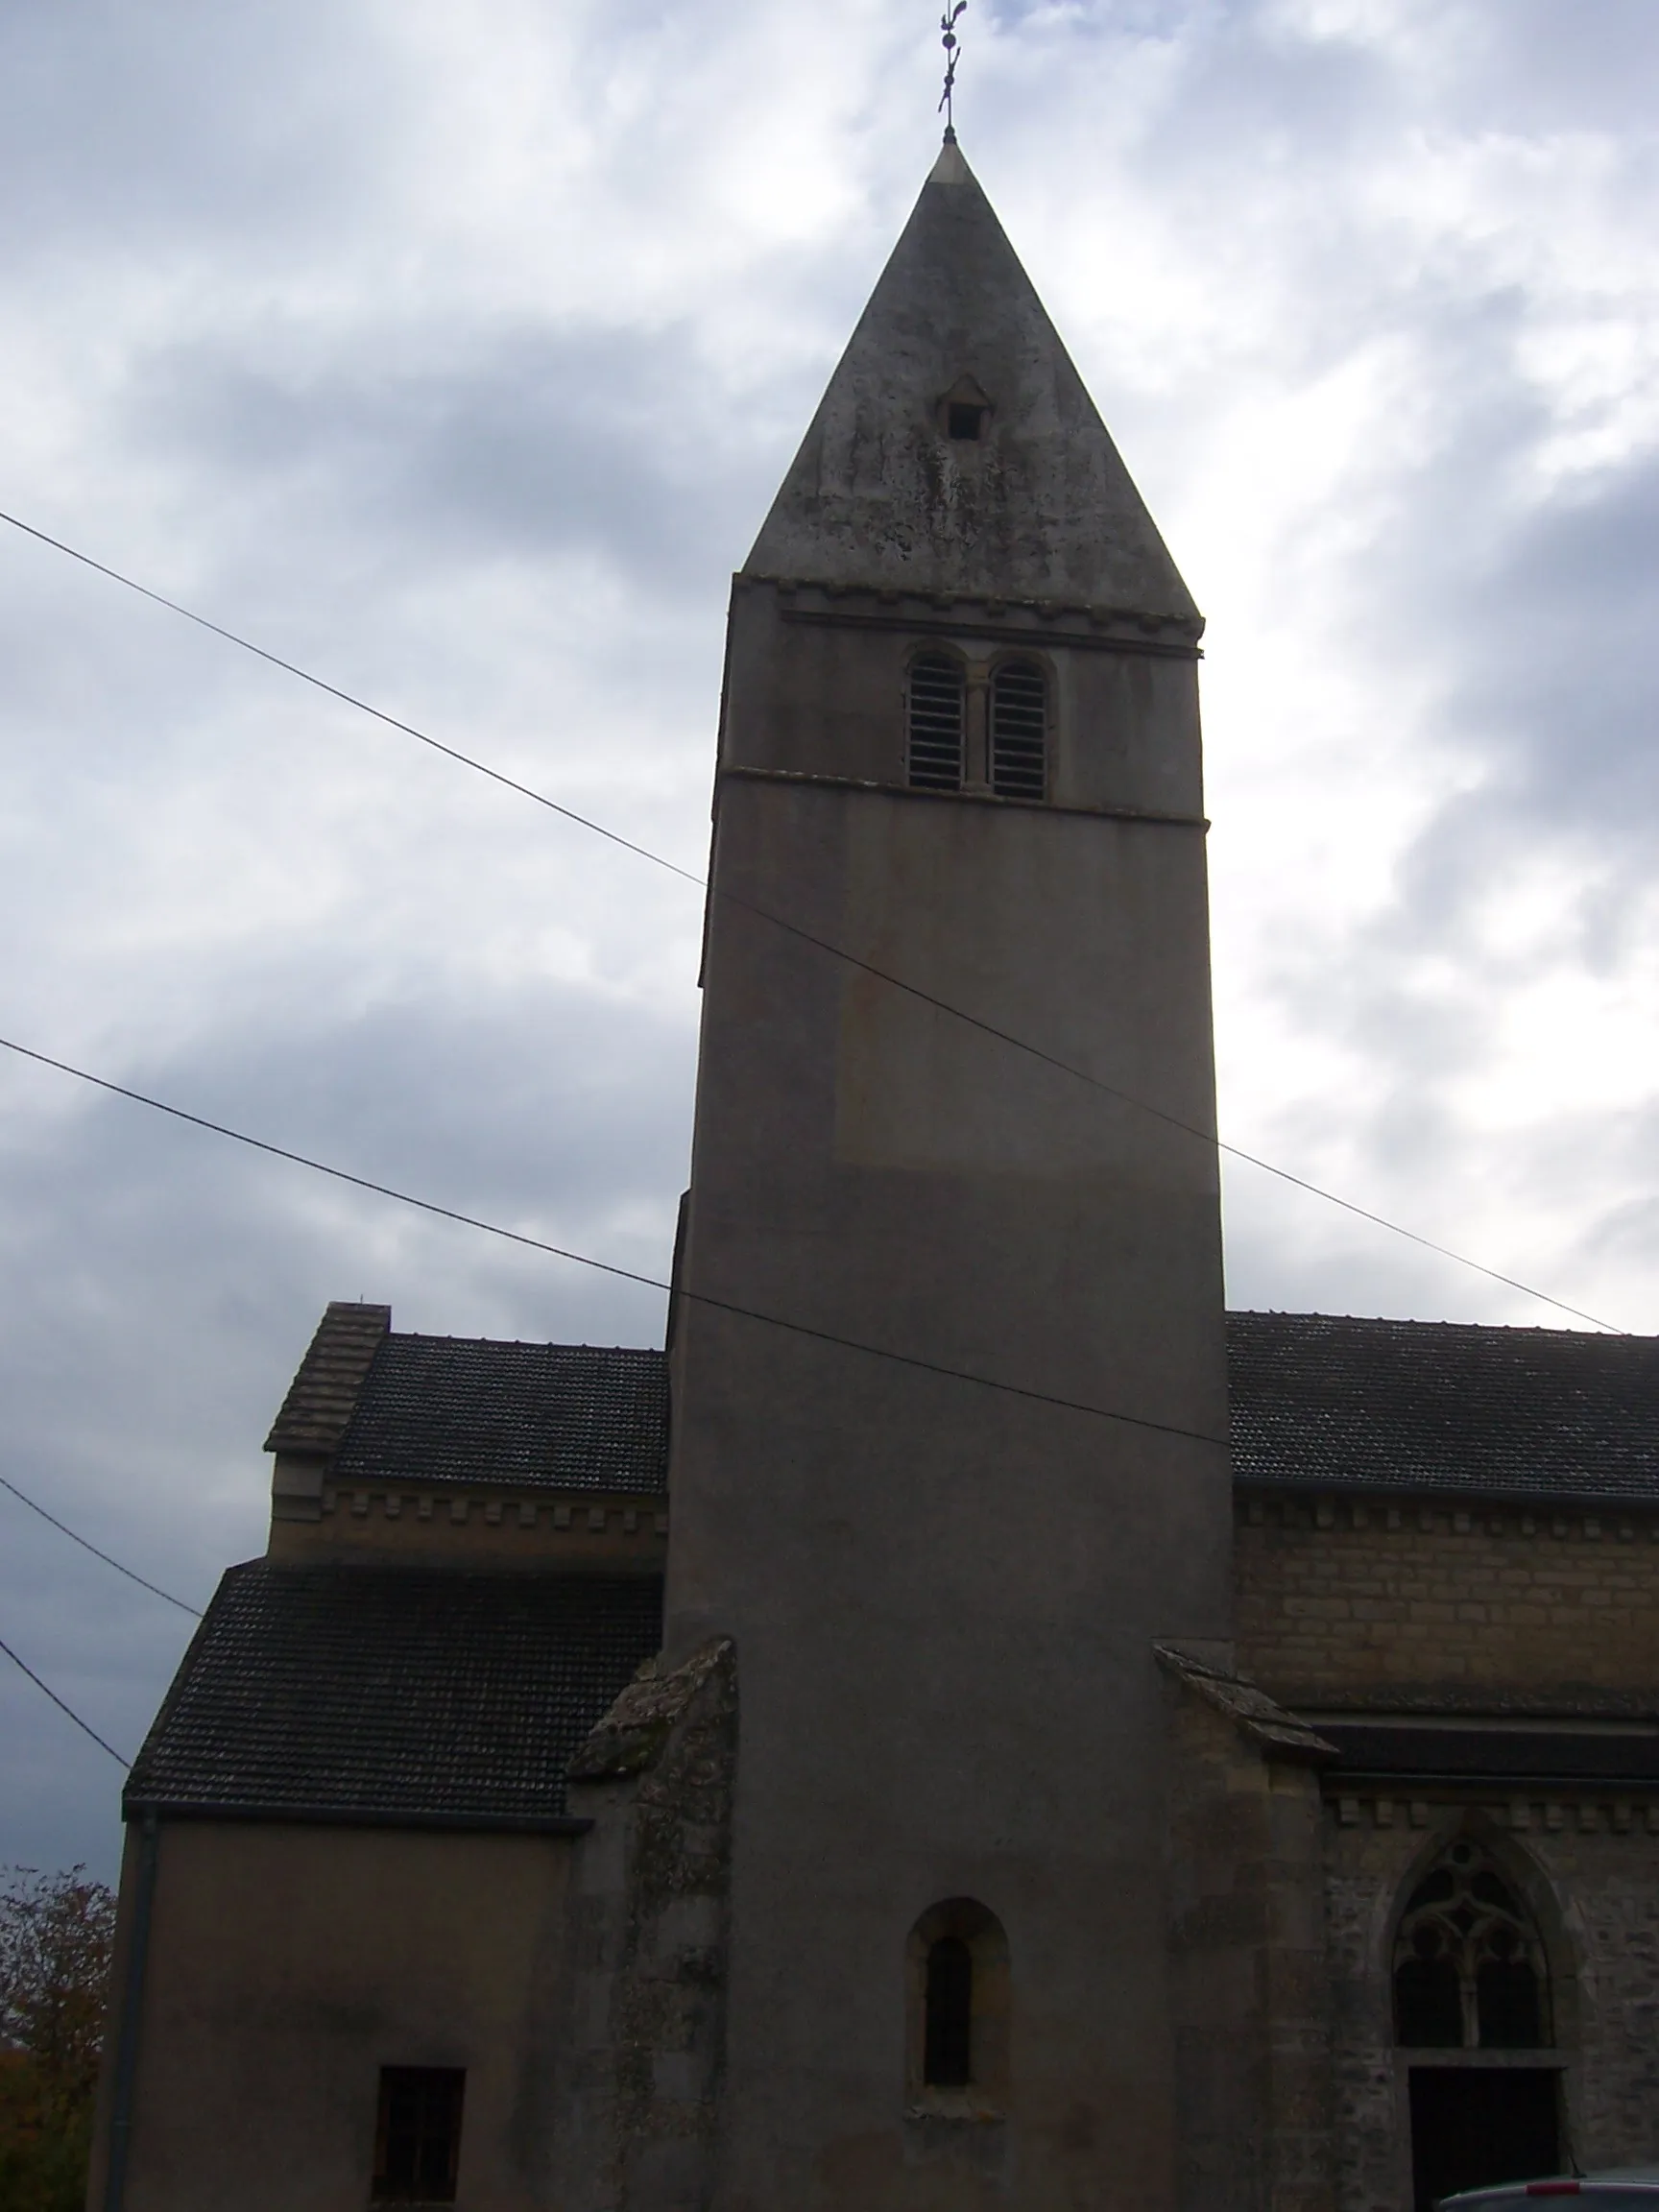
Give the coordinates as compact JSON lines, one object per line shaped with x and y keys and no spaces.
{"x":131,"y":2012}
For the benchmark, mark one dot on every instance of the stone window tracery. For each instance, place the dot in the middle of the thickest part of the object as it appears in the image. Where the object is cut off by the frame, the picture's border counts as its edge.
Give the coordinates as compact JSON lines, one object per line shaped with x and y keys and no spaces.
{"x":1469,"y":1968}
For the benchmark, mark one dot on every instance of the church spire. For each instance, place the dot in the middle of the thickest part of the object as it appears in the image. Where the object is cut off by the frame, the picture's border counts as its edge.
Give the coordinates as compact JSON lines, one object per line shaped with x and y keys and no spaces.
{"x":956,"y":450}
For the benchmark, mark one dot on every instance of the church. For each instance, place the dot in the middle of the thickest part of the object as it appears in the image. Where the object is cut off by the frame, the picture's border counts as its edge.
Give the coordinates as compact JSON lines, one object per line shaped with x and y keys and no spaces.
{"x":971,"y":1723}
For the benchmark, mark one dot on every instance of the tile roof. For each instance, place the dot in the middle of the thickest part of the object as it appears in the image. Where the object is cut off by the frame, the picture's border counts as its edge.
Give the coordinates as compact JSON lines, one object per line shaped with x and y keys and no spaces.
{"x":467,"y":1409}
{"x":400,"y":1693}
{"x":1317,"y":1400}
{"x":318,"y":1407}
{"x":1320,"y":1399}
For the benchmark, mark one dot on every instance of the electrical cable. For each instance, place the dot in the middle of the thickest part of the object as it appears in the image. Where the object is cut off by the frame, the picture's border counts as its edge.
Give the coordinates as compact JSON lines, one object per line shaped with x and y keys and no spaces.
{"x":47,"y":1691}
{"x":807,"y":936}
{"x":64,"y":1527}
{"x":610,"y":1268}
{"x":349,"y":699}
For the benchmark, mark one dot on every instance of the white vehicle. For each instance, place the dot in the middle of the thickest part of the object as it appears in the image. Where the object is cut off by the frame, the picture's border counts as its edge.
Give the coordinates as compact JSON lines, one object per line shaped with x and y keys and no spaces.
{"x":1627,"y":2189}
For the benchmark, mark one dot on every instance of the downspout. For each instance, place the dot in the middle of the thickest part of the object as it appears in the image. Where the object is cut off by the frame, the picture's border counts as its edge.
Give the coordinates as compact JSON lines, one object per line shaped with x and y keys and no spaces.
{"x":131,"y":2012}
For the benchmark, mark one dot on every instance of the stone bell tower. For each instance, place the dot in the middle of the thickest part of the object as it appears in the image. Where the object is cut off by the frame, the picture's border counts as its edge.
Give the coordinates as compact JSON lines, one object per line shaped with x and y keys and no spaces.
{"x":959,"y":744}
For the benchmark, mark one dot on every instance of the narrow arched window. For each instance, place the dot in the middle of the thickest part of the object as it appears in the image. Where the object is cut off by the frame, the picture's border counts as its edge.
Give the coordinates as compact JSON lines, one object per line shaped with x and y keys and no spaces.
{"x":1469,"y":1967}
{"x":948,"y":2024}
{"x":956,"y":2011}
{"x":1019,"y":731}
{"x":936,"y":719}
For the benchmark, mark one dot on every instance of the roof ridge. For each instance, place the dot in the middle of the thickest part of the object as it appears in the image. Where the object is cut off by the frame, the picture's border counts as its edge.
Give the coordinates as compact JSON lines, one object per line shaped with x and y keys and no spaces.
{"x":523,"y":1343}
{"x":1532,"y":1329}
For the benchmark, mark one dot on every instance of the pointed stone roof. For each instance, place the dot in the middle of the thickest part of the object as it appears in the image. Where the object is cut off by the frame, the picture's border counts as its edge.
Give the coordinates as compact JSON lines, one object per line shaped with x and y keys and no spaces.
{"x":1040,"y":508}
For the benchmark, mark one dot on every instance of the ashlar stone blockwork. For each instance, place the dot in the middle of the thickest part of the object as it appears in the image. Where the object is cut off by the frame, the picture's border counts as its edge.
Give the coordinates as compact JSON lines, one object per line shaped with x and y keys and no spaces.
{"x":1587,"y":1872}
{"x":1340,"y":1595}
{"x":1247,"y":1946}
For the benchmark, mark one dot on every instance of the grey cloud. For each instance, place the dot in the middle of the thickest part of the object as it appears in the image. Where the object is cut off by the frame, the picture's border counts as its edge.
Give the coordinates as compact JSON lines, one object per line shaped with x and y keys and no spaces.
{"x":162,"y":1283}
{"x":137,"y":129}
{"x":616,"y":444}
{"x":386,"y":489}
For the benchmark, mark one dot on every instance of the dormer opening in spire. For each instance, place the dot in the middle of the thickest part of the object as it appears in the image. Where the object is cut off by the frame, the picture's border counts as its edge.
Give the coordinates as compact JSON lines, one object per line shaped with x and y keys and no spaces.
{"x":965,"y":412}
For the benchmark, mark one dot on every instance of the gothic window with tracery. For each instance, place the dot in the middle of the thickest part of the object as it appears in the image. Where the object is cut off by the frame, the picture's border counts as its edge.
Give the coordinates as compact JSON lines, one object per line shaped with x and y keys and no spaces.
{"x":1469,"y":1969}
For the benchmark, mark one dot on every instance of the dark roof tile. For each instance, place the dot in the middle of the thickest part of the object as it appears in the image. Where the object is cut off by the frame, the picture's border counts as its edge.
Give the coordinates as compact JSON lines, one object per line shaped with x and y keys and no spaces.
{"x":467,"y":1409}
{"x":1430,"y":1406}
{"x":395,"y":1691}
{"x":1317,"y":1399}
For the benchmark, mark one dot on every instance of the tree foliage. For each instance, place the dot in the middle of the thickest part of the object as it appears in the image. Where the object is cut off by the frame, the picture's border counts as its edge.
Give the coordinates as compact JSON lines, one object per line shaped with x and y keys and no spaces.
{"x":56,"y":1935}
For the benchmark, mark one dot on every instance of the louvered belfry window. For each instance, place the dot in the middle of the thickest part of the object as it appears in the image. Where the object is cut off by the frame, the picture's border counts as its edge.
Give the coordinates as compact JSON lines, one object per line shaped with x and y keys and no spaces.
{"x":936,"y":697}
{"x":1018,"y":731}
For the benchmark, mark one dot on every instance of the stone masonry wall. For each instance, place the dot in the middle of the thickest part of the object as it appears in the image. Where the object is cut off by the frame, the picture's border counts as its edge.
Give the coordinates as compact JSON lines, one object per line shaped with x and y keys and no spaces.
{"x":1338,"y":1597}
{"x":1246,"y":1938}
{"x":1590,"y":1870}
{"x":643,"y":2053}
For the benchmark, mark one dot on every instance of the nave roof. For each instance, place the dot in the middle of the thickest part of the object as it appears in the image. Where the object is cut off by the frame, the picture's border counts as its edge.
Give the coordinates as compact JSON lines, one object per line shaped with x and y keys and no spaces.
{"x":1317,"y":1399}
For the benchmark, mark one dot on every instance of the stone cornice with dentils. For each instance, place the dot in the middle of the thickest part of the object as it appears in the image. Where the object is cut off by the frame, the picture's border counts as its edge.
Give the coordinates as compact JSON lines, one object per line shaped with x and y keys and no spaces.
{"x":1066,"y":622}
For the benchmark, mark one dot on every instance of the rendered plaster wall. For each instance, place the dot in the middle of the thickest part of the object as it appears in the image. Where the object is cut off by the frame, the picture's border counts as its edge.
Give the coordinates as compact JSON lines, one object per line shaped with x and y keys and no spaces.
{"x":288,"y":1964}
{"x":816,"y":686}
{"x":944,"y":1597}
{"x":1337,"y":1596}
{"x":1589,"y":1870}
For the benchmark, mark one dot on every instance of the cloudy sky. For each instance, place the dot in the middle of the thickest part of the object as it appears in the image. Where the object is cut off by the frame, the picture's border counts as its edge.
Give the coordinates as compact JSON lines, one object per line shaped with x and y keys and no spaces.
{"x":453,"y":349}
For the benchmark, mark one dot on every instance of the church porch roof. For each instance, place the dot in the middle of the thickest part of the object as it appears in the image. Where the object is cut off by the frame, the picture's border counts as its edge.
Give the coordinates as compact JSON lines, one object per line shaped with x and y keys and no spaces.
{"x":401,"y":1696}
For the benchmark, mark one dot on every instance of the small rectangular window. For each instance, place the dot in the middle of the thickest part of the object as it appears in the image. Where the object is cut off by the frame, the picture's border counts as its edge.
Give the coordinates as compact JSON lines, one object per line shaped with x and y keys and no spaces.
{"x":965,"y":421}
{"x":418,"y":2135}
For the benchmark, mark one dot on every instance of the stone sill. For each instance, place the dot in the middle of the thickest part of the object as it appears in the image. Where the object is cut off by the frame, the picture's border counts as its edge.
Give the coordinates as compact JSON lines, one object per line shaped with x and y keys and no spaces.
{"x":962,"y":2108}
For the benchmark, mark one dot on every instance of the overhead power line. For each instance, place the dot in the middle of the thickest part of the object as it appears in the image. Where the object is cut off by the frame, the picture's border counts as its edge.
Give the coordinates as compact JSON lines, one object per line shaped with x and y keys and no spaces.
{"x":349,"y":699}
{"x":46,"y":1690}
{"x":63,"y":1529}
{"x":808,"y":937}
{"x":610,"y":1268}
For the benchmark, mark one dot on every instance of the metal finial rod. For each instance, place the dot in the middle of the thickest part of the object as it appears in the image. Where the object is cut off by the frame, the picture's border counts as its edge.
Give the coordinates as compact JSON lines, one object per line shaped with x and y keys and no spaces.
{"x":953,"y":55}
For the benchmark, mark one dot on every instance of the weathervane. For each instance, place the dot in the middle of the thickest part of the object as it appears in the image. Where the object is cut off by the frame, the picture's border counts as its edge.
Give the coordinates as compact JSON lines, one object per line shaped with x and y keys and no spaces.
{"x":948,"y":27}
